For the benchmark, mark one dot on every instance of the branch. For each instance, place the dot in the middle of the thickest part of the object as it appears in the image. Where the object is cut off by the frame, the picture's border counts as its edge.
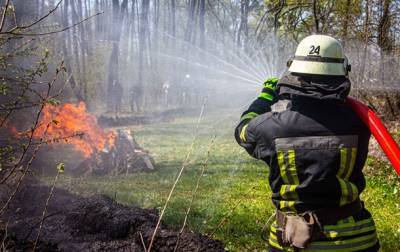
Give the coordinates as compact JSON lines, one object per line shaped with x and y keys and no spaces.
{"x":45,"y":209}
{"x":185,"y":162}
{"x":261,"y":21}
{"x":37,"y":21}
{"x":19,"y":107}
{"x":34,"y":127}
{"x":204,"y":166}
{"x":24,"y":172}
{"x":3,"y":245}
{"x":3,"y":17}
{"x":59,"y":139}
{"x":141,"y":239}
{"x":218,"y":19}
{"x":52,"y":32}
{"x":22,"y":96}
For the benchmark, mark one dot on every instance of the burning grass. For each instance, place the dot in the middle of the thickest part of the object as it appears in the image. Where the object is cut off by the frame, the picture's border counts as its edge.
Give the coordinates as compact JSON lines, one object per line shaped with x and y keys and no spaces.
{"x":233,"y":201}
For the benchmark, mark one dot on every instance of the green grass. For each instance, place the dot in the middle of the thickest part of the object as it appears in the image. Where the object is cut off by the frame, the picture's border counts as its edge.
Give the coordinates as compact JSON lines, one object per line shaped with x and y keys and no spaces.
{"x":233,"y":200}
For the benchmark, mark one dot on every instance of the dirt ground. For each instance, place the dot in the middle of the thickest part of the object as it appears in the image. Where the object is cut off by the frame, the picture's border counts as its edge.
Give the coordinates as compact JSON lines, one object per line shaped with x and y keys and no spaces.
{"x":75,"y":223}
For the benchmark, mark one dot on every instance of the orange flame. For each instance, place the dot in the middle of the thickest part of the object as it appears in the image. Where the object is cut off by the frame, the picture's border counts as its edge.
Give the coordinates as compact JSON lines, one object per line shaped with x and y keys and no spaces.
{"x":68,"y":120}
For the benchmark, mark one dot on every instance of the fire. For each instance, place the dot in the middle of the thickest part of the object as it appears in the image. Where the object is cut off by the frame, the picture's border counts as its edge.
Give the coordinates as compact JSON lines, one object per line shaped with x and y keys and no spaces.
{"x":69,"y":120}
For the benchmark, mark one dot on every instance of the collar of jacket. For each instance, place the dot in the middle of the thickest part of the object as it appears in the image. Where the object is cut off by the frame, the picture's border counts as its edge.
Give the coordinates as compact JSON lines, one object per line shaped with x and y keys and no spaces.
{"x":329,"y":88}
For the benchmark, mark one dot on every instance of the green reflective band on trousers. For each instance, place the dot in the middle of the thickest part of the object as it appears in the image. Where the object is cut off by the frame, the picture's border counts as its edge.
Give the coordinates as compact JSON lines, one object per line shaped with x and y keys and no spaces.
{"x":349,"y":229}
{"x":249,"y":115}
{"x":353,"y":244}
{"x":266,"y":96}
{"x":273,"y":241}
{"x":343,"y":239}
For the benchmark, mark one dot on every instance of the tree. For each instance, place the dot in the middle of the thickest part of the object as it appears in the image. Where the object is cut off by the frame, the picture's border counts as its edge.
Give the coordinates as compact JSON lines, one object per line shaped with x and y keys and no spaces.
{"x":143,"y":46}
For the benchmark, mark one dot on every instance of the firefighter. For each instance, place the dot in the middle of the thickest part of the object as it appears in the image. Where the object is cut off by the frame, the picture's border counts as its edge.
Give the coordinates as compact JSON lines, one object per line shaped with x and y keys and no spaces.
{"x":315,"y":147}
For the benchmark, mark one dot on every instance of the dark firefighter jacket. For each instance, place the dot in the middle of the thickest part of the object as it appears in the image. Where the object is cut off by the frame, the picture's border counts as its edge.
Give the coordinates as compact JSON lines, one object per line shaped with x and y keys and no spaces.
{"x":316,"y":147}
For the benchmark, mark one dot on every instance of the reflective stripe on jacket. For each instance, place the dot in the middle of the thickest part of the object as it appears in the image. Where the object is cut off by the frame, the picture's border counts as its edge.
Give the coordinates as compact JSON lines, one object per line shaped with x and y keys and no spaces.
{"x":316,"y":151}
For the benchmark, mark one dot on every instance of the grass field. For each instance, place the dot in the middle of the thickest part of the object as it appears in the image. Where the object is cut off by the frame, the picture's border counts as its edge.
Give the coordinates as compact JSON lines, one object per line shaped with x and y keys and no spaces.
{"x":233,"y":202}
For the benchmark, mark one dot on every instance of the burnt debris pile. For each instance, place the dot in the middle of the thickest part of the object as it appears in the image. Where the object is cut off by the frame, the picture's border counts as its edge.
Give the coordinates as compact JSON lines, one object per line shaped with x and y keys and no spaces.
{"x":125,"y":157}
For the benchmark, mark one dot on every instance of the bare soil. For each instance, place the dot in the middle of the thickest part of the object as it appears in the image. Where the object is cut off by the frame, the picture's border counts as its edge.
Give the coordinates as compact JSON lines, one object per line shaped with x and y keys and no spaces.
{"x":75,"y":223}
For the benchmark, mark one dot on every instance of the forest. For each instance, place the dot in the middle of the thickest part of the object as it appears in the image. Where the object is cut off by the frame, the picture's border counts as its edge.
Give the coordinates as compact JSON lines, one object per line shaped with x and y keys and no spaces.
{"x":117,"y":117}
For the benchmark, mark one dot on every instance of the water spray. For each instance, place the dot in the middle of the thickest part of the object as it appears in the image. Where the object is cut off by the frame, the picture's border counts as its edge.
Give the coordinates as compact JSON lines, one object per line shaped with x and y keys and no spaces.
{"x":378,"y":129}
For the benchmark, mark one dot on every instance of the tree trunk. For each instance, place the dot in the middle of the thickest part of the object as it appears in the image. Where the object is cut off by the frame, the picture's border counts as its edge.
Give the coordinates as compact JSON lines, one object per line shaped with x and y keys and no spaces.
{"x":202,"y":13}
{"x":143,"y":30}
{"x":66,"y":53}
{"x":155,"y":36}
{"x":114,"y":87}
{"x":76,"y":50}
{"x":243,"y":26}
{"x":384,"y":42}
{"x":173,"y":17}
{"x":190,"y":20}
{"x":346,"y":23}
{"x":132,"y":29}
{"x":97,"y":20}
{"x":83,"y":50}
{"x":361,"y":78}
{"x":316,"y":17}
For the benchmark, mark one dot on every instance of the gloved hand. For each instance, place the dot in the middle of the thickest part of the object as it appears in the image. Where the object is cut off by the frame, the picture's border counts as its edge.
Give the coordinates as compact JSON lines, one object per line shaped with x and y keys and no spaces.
{"x":268,"y":92}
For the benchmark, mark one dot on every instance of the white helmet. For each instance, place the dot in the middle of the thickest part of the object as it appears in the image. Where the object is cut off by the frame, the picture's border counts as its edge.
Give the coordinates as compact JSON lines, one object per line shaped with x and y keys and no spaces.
{"x":319,"y":54}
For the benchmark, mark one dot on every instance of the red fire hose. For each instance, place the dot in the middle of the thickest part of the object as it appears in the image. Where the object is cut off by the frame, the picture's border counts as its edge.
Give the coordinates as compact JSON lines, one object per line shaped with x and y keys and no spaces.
{"x":381,"y":134}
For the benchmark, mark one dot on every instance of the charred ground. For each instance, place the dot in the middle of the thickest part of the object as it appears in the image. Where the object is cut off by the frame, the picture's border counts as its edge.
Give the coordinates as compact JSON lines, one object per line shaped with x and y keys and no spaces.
{"x":76,"y":223}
